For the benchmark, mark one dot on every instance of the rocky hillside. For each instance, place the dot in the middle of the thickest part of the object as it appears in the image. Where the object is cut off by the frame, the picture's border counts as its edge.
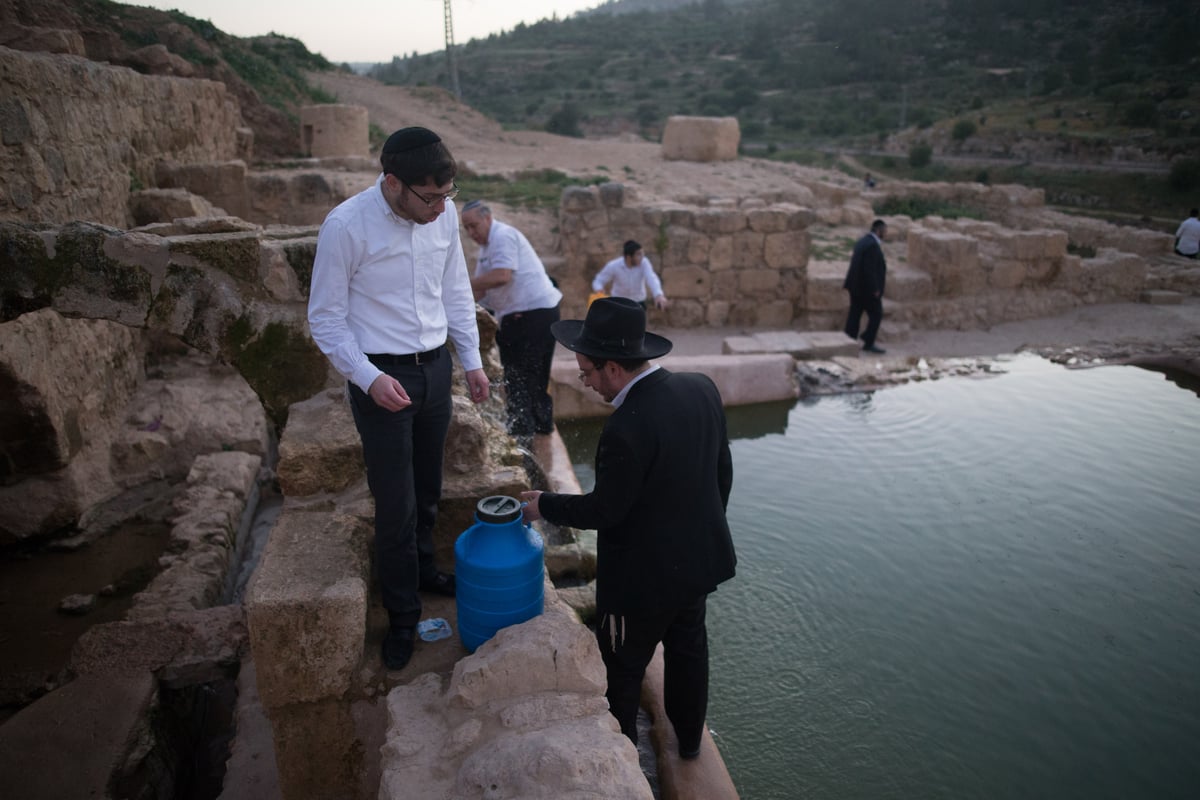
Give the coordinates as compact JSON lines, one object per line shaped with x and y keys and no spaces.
{"x":262,"y":73}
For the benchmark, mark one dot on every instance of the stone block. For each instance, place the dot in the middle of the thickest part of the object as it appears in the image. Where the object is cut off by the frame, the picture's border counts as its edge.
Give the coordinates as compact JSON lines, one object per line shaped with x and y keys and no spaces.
{"x":334,"y":129}
{"x":101,"y":720}
{"x":783,"y":250}
{"x":579,"y":198}
{"x":715,"y":221}
{"x":774,"y":219}
{"x":681,"y":282}
{"x":823,"y":287}
{"x":1004,"y":273}
{"x":701,"y":138}
{"x":748,"y":250}
{"x":716,"y":314}
{"x":720,"y":255}
{"x":1160,"y":297}
{"x":221,"y":183}
{"x":235,"y":254}
{"x":775,"y":313}
{"x":318,"y":753}
{"x":758,"y":281}
{"x":950,"y":259}
{"x":306,"y":607}
{"x":745,"y":379}
{"x":699,"y":248}
{"x":824,"y":345}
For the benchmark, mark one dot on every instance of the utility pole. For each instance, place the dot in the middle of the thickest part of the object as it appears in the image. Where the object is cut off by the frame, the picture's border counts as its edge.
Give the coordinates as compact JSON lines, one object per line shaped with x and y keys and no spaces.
{"x":451,"y":62}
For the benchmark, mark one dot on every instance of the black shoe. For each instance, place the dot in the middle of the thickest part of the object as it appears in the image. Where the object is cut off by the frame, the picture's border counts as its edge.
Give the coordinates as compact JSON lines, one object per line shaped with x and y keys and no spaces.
{"x":440,"y":583}
{"x":397,"y":647}
{"x":870,"y":348}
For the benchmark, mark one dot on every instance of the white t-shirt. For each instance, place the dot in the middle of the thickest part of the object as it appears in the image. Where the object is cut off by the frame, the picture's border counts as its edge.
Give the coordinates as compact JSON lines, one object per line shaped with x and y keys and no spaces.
{"x":530,"y":287}
{"x":627,"y":281}
{"x":1188,"y":236}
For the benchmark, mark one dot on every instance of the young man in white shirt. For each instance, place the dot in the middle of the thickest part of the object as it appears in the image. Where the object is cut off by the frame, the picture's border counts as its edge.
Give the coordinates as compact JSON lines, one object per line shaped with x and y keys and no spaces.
{"x":511,"y":281}
{"x":389,"y":284}
{"x":631,"y":276}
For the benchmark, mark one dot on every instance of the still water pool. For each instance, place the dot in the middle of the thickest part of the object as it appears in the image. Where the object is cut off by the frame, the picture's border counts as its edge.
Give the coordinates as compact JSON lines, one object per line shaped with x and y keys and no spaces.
{"x":968,"y":588}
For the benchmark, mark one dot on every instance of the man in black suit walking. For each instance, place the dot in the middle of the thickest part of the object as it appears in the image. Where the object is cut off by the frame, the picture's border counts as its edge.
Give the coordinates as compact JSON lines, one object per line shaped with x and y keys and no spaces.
{"x":663,"y":476}
{"x":864,"y":281}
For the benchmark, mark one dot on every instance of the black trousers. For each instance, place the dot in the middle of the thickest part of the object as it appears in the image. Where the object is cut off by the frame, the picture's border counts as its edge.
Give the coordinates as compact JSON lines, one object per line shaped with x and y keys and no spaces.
{"x":874,"y":307}
{"x":403,"y":451}
{"x":627,"y":643}
{"x":527,"y":351}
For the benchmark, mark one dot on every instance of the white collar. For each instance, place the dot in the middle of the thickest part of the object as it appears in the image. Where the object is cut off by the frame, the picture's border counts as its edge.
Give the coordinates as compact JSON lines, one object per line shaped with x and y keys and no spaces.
{"x":620,"y":398}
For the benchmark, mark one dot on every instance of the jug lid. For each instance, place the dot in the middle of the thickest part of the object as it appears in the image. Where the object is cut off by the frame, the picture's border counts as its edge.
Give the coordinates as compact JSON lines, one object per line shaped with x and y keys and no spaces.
{"x":498,"y":508}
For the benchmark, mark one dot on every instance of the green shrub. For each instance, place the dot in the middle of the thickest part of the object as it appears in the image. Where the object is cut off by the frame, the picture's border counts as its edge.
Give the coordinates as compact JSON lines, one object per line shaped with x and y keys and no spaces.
{"x":920,"y":155}
{"x":963,"y":129}
{"x":917,"y":207}
{"x":1184,"y":175}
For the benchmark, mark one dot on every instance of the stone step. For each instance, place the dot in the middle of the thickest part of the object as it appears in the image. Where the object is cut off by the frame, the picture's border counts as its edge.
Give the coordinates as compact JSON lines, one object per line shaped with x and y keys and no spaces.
{"x":1160,"y":297}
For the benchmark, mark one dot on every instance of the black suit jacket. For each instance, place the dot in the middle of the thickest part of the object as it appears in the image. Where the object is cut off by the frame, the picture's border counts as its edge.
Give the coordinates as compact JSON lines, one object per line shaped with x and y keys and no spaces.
{"x":868,"y":270}
{"x":663,"y":476}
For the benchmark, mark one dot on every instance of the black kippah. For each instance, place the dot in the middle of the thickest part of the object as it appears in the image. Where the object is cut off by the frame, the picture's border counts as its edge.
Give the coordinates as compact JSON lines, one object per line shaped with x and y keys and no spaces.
{"x":407,"y":139}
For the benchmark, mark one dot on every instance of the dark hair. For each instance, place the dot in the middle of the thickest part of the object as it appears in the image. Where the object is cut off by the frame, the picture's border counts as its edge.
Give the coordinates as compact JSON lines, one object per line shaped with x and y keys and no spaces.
{"x":631,"y":247}
{"x":1195,"y":212}
{"x":419,"y":164}
{"x":877,"y":225}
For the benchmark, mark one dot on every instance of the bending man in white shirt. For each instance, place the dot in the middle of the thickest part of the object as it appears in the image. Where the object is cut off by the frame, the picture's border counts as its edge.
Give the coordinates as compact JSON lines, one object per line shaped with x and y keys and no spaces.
{"x":631,"y":276}
{"x":1187,"y":238}
{"x":511,"y":281}
{"x":389,"y":284}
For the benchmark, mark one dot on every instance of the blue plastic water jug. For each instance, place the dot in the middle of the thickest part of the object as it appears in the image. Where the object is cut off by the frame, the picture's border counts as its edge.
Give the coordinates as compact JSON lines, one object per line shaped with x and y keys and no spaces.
{"x":498,"y":566}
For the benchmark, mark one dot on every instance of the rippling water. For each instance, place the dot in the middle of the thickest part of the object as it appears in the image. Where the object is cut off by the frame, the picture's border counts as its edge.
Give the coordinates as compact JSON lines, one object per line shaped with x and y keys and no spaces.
{"x":968,"y":588}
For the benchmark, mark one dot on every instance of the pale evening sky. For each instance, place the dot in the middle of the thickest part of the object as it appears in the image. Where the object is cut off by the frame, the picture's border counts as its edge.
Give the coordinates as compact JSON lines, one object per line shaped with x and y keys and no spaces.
{"x":370,"y":30}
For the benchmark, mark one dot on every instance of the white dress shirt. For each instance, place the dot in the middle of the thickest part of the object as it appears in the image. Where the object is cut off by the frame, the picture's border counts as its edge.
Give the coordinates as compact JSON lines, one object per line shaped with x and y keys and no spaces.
{"x":627,"y":281}
{"x":382,"y":284}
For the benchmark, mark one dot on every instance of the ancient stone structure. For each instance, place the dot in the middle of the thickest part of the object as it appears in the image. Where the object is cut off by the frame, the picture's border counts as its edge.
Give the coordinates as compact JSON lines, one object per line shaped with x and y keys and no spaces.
{"x":723,"y":262}
{"x":78,"y":136}
{"x":701,"y":138}
{"x":750,"y":262}
{"x":333,"y":129}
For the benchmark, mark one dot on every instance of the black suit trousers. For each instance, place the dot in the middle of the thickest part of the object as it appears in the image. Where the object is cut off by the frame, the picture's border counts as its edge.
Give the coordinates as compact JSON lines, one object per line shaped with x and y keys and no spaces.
{"x":873,"y":306}
{"x":627,"y":643}
{"x":403,"y":451}
{"x":527,"y":351}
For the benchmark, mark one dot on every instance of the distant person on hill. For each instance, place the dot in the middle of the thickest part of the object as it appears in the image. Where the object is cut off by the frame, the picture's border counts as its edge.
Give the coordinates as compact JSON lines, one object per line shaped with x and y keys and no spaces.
{"x":630,"y":276}
{"x":868,"y":182}
{"x":1187,"y":238}
{"x":864,"y":280}
{"x":511,"y":282}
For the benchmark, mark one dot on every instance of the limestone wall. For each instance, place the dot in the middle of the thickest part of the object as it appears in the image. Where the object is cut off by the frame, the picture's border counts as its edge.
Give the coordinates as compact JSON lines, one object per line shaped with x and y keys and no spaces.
{"x":76,"y":136}
{"x":334,"y":129}
{"x":735,"y":262}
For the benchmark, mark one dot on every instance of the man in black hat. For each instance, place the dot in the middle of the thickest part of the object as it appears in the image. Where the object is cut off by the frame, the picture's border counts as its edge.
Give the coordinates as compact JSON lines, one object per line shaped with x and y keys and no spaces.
{"x":663,"y":475}
{"x":389,"y":285}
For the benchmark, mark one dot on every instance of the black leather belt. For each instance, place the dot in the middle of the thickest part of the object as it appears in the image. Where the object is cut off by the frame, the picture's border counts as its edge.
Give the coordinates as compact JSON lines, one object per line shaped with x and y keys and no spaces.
{"x":408,"y":359}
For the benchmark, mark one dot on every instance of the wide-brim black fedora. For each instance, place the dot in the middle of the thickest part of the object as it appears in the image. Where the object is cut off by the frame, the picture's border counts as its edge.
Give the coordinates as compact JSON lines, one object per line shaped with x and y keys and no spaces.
{"x":615,"y":328}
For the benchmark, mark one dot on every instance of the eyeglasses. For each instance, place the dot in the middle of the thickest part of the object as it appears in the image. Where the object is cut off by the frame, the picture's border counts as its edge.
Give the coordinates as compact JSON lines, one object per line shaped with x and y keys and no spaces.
{"x":584,"y":374}
{"x":433,"y":201}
